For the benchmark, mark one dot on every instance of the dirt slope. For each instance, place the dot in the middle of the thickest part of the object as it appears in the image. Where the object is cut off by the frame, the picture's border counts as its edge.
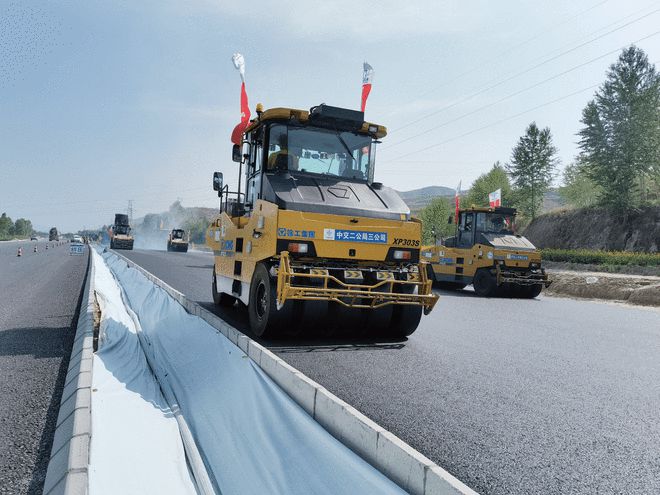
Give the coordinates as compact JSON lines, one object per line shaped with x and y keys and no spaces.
{"x":637,"y":230}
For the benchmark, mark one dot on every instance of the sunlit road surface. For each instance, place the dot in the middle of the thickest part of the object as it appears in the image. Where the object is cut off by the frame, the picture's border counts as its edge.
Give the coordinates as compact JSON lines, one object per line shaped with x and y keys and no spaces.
{"x":551,"y":395}
{"x":39,"y":299}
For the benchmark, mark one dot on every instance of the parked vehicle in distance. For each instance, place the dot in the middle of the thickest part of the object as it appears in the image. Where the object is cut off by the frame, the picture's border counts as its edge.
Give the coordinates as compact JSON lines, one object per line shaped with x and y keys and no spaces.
{"x":78,"y":239}
{"x":34,"y":238}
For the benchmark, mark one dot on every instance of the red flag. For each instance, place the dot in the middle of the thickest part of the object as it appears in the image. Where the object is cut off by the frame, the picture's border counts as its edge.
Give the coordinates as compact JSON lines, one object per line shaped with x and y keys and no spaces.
{"x":367,"y":79}
{"x":457,"y":201}
{"x":245,"y":107}
{"x":237,"y":134}
{"x":495,"y":198}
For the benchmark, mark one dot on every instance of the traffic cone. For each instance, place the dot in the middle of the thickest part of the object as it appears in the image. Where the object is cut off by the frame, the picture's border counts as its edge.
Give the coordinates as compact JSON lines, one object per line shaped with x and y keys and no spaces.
{"x":46,"y":247}
{"x":35,"y":249}
{"x":20,"y":251}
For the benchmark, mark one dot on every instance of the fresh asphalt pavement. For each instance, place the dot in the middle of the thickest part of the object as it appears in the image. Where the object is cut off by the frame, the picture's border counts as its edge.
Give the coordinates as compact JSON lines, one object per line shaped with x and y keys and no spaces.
{"x":551,"y":395}
{"x":39,"y":298}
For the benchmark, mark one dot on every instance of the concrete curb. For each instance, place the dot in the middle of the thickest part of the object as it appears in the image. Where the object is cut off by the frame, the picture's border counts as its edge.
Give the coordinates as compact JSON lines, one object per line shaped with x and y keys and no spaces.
{"x":390,"y":455}
{"x":69,"y":458}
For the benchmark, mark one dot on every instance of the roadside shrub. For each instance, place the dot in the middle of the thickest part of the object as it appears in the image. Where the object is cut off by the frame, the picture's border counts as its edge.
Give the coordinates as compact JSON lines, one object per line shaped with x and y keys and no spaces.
{"x":588,"y":256}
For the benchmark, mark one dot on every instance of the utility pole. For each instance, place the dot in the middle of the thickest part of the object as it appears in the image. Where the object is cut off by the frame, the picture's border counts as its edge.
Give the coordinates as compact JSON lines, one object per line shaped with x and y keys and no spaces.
{"x":130,"y":211}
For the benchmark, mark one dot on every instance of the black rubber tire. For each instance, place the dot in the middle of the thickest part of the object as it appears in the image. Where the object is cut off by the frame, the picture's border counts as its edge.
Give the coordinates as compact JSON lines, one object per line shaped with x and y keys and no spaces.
{"x":484,"y":283}
{"x":221,"y":298}
{"x":450,"y":285}
{"x":169,"y":247}
{"x":532,"y":291}
{"x":112,"y":245}
{"x":405,"y":317}
{"x":266,"y":320}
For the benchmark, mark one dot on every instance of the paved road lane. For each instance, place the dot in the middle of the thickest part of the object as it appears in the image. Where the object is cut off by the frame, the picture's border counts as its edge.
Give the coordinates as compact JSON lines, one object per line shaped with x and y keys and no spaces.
{"x":39,"y":298}
{"x":511,"y":396}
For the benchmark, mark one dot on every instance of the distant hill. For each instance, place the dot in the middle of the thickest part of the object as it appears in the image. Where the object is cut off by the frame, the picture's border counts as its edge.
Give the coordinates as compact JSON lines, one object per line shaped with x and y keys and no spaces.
{"x":419,"y":198}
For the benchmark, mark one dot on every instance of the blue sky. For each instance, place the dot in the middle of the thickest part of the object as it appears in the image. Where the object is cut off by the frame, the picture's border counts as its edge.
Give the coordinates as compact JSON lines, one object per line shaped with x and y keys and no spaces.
{"x":102,"y":102}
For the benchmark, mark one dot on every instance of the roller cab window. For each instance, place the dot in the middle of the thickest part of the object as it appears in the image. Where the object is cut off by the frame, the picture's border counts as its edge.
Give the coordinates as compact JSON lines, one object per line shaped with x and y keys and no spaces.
{"x":309,"y":150}
{"x":495,"y":223}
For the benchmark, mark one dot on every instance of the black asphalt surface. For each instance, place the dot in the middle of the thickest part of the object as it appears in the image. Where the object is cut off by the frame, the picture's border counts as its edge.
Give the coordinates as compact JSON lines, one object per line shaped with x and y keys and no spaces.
{"x":39,"y":299}
{"x":551,"y":395}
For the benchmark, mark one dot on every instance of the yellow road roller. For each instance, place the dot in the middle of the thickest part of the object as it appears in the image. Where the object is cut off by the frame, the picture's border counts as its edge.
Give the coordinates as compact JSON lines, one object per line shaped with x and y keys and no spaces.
{"x":309,"y":241}
{"x":177,"y":241}
{"x":487,"y":253}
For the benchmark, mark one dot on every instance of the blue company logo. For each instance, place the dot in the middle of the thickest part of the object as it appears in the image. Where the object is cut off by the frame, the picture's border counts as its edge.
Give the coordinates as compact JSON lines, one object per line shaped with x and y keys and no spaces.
{"x":519,"y":257}
{"x":305,"y":234}
{"x":446,"y":261}
{"x":227,"y":245}
{"x":355,"y":236}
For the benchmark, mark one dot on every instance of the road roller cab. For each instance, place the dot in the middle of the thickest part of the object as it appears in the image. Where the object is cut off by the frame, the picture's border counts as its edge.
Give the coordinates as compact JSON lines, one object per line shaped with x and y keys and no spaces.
{"x":311,"y":240}
{"x":486,"y":252}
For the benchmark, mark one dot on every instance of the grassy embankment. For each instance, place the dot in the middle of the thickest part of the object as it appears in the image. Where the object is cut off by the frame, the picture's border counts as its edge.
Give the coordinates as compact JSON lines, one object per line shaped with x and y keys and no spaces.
{"x":607,"y":258}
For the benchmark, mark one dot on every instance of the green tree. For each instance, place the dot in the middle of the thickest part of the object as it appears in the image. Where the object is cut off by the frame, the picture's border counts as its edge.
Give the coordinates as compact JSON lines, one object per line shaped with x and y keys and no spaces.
{"x":532,"y":166}
{"x":22,"y":228}
{"x":620,"y":140}
{"x":196,"y":228}
{"x":6,"y":227}
{"x":489,"y":182}
{"x":434,"y":220}
{"x":578,"y":189}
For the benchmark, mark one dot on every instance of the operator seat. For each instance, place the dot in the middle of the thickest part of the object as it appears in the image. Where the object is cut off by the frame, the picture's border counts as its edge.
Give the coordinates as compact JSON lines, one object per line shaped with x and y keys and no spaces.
{"x":282,"y":160}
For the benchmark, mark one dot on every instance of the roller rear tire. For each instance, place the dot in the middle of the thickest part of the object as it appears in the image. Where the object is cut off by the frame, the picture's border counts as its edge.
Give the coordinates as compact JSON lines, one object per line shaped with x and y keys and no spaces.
{"x":405,"y":317}
{"x":484,"y":283}
{"x":532,"y":291}
{"x":450,"y":285}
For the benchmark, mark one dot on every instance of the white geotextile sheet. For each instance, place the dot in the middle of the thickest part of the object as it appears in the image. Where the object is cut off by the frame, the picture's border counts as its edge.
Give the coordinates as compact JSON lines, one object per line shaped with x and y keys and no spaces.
{"x":135,"y":444}
{"x":253,"y":437}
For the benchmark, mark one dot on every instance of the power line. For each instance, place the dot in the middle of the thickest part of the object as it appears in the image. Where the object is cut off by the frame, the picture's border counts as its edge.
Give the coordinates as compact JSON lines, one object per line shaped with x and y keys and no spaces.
{"x":477,"y":110}
{"x":454,"y":138}
{"x":518,"y":45}
{"x":523,"y":72}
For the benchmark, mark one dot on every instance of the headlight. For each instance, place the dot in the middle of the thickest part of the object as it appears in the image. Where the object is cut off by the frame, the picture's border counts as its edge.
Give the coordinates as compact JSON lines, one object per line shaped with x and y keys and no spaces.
{"x":401,"y":255}
{"x":298,"y":247}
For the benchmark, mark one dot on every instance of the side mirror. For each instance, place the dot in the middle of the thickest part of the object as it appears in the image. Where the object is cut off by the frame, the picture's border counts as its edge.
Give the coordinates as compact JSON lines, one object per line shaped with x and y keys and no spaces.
{"x":450,"y":220}
{"x":217,"y":181}
{"x":236,"y":153}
